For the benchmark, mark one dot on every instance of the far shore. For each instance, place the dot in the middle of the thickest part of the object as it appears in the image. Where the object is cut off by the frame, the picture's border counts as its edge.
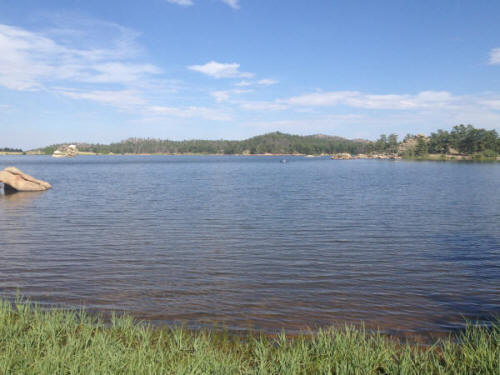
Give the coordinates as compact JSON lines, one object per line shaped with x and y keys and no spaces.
{"x":428,"y":157}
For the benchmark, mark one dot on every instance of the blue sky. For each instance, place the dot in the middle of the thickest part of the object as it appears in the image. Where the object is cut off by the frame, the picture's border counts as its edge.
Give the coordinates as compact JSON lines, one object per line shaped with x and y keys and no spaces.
{"x":103,"y":71}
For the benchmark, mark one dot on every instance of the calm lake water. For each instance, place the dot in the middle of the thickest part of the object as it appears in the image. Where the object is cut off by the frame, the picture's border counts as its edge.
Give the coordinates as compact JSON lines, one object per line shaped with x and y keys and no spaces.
{"x":249,"y":242}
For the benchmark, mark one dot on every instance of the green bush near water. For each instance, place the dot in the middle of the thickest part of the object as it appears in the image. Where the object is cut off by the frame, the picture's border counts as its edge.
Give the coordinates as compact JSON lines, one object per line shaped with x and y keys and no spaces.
{"x":36,"y":341}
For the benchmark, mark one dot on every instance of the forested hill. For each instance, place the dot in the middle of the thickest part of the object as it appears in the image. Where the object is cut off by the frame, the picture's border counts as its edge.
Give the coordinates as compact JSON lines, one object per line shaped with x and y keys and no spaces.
{"x":460,"y":140}
{"x":274,"y":143}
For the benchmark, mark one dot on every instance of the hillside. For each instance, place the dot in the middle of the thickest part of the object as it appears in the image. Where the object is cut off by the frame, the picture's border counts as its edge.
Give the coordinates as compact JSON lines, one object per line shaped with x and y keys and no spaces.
{"x":272,"y":143}
{"x":460,"y":140}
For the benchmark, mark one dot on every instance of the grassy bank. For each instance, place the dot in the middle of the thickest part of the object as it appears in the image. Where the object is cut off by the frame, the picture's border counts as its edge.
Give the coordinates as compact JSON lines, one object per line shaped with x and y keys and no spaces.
{"x":33,"y":341}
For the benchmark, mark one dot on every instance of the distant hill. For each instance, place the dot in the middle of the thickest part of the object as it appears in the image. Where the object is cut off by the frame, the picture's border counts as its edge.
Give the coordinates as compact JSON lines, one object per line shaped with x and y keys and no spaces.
{"x":271,"y":143}
{"x":461,"y":139}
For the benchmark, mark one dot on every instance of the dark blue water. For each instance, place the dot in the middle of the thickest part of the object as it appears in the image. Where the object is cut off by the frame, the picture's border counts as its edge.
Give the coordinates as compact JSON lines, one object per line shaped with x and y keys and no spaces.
{"x":249,"y":242}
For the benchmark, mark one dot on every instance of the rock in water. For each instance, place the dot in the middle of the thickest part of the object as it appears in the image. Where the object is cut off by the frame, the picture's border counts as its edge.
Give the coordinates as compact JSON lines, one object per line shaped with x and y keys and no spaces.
{"x":15,"y":180}
{"x":66,"y":152}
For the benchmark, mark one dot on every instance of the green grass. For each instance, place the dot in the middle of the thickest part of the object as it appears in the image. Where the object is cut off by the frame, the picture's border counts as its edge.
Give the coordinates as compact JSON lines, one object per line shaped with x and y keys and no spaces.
{"x":36,"y":341}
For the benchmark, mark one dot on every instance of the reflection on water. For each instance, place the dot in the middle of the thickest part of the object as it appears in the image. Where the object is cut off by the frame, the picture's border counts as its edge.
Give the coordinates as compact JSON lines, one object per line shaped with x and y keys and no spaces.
{"x":252,"y":242}
{"x":18,"y":198}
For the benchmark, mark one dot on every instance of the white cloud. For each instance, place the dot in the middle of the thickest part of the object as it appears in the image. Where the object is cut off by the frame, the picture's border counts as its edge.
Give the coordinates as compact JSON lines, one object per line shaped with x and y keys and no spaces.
{"x":235,"y":4}
{"x":328,"y":124}
{"x":260,"y":82}
{"x":118,"y":98}
{"x":225,"y":95}
{"x":267,"y":82}
{"x":221,"y":96}
{"x":244,"y":84}
{"x":220,"y":70}
{"x":425,"y":99}
{"x":20,"y":63}
{"x":191,"y":112}
{"x":495,"y":56}
{"x":492,"y":103}
{"x":181,"y":2}
{"x":263,"y":106}
{"x":321,"y":98}
{"x":32,"y":61}
{"x":118,"y":72}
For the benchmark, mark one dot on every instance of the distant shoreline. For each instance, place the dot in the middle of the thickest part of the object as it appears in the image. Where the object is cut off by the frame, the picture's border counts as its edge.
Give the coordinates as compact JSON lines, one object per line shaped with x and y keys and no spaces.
{"x":461,"y":143}
{"x":429,"y":157}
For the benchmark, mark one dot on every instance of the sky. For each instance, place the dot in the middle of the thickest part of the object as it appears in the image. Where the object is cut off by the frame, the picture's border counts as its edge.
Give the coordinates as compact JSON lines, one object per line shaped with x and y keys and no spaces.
{"x":103,"y":71}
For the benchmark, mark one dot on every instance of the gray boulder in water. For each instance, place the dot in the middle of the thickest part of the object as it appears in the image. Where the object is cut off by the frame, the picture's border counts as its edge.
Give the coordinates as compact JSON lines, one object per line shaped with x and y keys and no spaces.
{"x":15,"y":180}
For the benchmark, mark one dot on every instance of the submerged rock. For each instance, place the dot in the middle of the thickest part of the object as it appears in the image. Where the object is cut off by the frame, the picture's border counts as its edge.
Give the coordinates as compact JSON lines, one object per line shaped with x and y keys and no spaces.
{"x":15,"y":180}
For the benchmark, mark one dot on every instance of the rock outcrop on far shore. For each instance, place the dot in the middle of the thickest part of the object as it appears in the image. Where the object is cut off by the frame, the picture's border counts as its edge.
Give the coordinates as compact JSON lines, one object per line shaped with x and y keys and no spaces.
{"x":66,"y":152}
{"x":342,"y":156}
{"x":14,"y":180}
{"x":347,"y":156}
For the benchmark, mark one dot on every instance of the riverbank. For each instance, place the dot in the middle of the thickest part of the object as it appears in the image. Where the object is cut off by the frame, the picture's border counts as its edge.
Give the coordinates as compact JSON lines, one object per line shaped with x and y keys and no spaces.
{"x":36,"y":341}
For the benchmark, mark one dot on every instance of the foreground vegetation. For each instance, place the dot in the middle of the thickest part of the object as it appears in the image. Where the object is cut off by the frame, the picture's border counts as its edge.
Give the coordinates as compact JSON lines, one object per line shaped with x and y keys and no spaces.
{"x":33,"y":341}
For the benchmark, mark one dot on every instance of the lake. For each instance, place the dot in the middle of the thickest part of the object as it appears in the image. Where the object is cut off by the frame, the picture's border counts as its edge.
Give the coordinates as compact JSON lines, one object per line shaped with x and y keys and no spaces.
{"x":252,"y":243}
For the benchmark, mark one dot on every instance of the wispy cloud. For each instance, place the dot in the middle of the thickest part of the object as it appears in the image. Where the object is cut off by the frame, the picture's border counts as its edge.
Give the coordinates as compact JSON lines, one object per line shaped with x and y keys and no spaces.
{"x":321,"y":123}
{"x":119,"y":98}
{"x":225,"y":95}
{"x":493,"y":103}
{"x":221,"y":70}
{"x":425,"y":99}
{"x":495,"y":56}
{"x":32,"y":61}
{"x":181,"y":2}
{"x":235,"y":4}
{"x":263,"y":106}
{"x":267,"y":82}
{"x":118,"y":72}
{"x":260,"y":82}
{"x":191,"y":112}
{"x":356,"y":99}
{"x":244,"y":83}
{"x":5,"y":107}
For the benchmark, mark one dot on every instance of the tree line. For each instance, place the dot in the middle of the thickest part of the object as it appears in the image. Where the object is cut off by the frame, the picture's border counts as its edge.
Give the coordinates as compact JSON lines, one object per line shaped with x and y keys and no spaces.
{"x":461,"y":139}
{"x":274,"y":143}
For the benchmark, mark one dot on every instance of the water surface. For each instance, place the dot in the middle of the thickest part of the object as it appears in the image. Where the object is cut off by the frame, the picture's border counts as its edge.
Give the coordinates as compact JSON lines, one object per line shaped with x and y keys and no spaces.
{"x":249,"y":242}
